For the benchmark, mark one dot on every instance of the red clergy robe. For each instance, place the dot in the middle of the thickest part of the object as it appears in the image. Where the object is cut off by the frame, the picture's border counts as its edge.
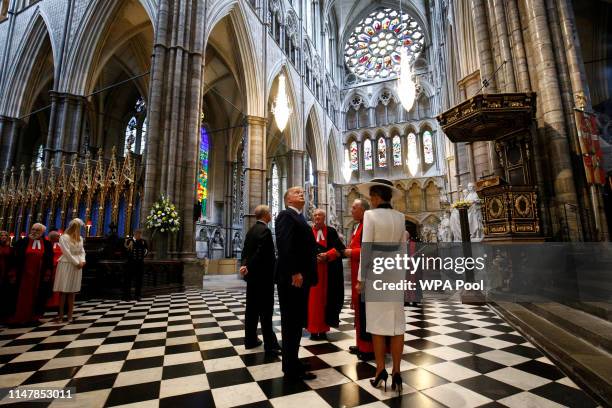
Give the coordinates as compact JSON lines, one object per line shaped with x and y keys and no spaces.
{"x":317,"y":299}
{"x":53,"y":301}
{"x":29,"y":285}
{"x":355,"y":247}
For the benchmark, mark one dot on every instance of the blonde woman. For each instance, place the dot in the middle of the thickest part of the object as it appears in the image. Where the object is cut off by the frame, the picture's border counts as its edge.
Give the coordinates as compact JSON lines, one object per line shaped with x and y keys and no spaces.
{"x":70,"y":267}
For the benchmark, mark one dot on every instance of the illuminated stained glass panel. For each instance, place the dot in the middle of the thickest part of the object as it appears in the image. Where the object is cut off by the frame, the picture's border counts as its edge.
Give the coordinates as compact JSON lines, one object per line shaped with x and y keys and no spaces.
{"x":354,"y":156}
{"x":397,"y":151}
{"x":382,"y":152}
{"x":203,"y":174}
{"x":428,"y":147}
{"x":374,"y":47}
{"x":367,"y":155}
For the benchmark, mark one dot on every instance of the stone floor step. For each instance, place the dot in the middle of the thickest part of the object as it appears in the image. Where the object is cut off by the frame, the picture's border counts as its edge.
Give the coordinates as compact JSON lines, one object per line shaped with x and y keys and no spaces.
{"x":602,"y":310}
{"x":591,"y":328}
{"x":588,"y":365}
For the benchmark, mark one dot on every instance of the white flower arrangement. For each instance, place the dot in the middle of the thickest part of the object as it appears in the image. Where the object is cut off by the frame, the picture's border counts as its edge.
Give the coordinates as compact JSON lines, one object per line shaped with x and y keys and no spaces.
{"x":163,"y":216}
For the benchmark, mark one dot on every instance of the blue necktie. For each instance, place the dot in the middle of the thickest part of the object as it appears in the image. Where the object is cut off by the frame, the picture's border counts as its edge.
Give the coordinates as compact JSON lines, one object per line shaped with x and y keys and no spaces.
{"x":303,"y":218}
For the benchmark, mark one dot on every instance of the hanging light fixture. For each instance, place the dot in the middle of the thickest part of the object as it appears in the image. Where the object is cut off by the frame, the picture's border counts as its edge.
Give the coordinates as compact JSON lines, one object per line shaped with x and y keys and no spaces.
{"x":281,"y":108}
{"x":406,"y":87}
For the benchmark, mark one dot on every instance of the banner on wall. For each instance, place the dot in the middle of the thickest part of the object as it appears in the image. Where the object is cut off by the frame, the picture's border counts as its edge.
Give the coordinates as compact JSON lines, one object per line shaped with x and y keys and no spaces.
{"x":590,"y":148}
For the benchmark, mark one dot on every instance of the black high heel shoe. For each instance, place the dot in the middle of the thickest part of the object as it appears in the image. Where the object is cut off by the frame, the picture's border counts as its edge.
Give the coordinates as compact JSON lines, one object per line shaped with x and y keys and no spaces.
{"x":396,"y":381}
{"x":382,"y":376}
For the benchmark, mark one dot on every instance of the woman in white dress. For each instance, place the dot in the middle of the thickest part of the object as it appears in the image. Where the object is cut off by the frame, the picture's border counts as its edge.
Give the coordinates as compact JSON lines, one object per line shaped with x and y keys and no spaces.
{"x":384,"y":319}
{"x":69,"y":267}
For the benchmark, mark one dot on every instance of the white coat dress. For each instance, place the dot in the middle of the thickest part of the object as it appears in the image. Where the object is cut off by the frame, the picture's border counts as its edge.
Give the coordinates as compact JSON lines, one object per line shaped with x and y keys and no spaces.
{"x":384,"y":225}
{"x":68,"y":275}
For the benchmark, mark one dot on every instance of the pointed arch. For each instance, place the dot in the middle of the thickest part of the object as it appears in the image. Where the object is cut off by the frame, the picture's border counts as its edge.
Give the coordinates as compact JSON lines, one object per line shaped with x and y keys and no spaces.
{"x":78,"y":75}
{"x":315,"y":139}
{"x":25,"y":75}
{"x":251,"y":70}
{"x":292,"y":137}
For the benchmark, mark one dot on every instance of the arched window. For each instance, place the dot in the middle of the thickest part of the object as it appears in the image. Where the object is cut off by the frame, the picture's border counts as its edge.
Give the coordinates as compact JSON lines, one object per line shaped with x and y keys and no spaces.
{"x":136,"y":129}
{"x":310,"y":172}
{"x":412,"y":157}
{"x":354,"y":156}
{"x":40,"y":154}
{"x":130,"y":135}
{"x":382,"y":152}
{"x":397,"y":151}
{"x":203,"y":173}
{"x":275,"y":202}
{"x":374,"y":47}
{"x":428,"y":147}
{"x":367,"y":155}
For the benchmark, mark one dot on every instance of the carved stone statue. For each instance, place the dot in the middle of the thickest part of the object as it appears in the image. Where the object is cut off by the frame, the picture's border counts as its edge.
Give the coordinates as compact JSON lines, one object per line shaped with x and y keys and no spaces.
{"x":474,"y":214}
{"x":455,"y":226}
{"x":444,"y":229}
{"x":332,"y":217}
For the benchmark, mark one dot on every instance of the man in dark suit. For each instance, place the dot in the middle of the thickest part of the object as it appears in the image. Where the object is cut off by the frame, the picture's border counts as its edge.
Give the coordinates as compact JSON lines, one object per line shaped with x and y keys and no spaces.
{"x":258,"y":263}
{"x":296,"y":272}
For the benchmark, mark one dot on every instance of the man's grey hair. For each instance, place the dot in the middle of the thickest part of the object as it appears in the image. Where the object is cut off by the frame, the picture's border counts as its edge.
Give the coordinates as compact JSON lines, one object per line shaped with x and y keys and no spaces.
{"x":39,"y":225}
{"x":261,"y":210}
{"x":362,"y":203}
{"x":319,"y":210}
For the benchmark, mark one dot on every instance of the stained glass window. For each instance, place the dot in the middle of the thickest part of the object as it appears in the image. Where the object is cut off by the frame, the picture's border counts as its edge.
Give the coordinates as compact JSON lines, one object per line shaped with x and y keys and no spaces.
{"x":354,"y":156}
{"x":382,"y":152}
{"x":40,"y":154}
{"x":131,"y":130}
{"x":373,"y":49}
{"x":275,"y":191}
{"x":203,"y":174}
{"x":412,"y":158}
{"x":397,"y":151}
{"x":428,"y":147}
{"x":367,"y":154}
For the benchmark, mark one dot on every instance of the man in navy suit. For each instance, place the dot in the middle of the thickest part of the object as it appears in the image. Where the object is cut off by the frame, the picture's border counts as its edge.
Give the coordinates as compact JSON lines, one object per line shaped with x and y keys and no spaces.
{"x":258,"y":264}
{"x":296,"y":272}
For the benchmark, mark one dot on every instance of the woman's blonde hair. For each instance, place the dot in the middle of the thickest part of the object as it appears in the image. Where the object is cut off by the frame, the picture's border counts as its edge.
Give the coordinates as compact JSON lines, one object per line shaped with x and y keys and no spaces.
{"x":74,"y":229}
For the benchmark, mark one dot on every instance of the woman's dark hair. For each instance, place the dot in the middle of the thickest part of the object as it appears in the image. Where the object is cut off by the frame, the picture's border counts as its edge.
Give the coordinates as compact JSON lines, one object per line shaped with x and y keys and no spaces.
{"x":383,"y":192}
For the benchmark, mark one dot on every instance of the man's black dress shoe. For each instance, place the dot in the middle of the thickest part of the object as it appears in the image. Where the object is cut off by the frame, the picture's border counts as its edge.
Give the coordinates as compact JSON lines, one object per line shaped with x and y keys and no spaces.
{"x":365,"y":356}
{"x":250,"y":345}
{"x":354,"y":350}
{"x":305,"y":376}
{"x":274,"y":352}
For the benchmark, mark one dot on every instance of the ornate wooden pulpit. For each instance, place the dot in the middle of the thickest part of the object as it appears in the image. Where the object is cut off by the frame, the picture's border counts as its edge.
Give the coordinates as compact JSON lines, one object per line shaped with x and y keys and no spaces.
{"x":509,"y":207}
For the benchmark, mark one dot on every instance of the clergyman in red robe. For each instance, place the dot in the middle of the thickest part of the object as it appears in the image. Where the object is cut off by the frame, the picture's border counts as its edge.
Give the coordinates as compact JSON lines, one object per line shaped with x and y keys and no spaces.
{"x":327,"y":296}
{"x":364,"y":348}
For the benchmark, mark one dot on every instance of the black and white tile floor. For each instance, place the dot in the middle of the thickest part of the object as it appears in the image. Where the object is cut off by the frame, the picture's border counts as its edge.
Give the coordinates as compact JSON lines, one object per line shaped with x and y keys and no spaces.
{"x":186,"y":350}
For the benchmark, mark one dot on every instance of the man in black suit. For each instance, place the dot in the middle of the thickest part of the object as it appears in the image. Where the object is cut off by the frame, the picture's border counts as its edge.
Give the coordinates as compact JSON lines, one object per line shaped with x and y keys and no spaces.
{"x":258,"y":263}
{"x":296,"y":272}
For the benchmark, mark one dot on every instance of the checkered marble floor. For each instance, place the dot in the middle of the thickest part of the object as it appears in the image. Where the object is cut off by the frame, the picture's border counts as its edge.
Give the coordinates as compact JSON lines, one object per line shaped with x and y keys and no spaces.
{"x":186,"y":350}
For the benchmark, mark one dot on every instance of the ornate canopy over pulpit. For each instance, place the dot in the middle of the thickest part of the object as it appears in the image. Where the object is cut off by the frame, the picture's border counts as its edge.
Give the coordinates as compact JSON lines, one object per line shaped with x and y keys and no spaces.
{"x":509,"y":207}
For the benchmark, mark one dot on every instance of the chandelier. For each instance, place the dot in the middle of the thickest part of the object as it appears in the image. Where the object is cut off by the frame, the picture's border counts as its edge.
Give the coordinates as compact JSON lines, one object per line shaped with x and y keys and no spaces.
{"x":281,"y":108}
{"x":406,"y":87}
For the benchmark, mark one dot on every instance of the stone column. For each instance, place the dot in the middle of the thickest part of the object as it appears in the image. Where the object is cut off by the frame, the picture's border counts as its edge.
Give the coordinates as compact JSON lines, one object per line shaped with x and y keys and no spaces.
{"x":9,"y":129}
{"x":295,"y":169}
{"x":65,"y":126}
{"x":504,"y":45}
{"x":553,"y":129}
{"x":485,"y":159}
{"x":175,"y":100}
{"x":579,"y":85}
{"x":322,"y":190}
{"x":518,"y":47}
{"x":256,"y":167}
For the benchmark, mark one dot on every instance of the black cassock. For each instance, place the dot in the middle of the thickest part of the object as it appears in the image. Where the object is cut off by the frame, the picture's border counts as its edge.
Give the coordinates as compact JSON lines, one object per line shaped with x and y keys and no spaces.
{"x":335,"y":278}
